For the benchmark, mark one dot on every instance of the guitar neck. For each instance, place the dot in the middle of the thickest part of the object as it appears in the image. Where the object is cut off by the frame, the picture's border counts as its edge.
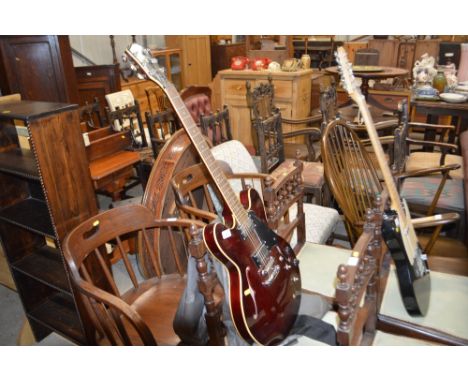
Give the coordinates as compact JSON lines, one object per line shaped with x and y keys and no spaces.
{"x":379,"y":153}
{"x":207,"y":157}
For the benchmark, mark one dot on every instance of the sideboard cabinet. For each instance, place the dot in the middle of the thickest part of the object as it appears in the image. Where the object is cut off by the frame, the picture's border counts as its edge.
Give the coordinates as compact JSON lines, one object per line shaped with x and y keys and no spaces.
{"x":292,"y":96}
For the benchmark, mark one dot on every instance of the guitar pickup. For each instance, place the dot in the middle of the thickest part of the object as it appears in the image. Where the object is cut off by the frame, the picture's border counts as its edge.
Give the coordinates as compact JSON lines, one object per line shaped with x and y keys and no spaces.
{"x":257,"y":260}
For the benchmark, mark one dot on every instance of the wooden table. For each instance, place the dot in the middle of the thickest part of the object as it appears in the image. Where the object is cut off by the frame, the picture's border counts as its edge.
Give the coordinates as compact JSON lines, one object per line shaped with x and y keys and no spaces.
{"x":435,"y":109}
{"x":386,"y":72}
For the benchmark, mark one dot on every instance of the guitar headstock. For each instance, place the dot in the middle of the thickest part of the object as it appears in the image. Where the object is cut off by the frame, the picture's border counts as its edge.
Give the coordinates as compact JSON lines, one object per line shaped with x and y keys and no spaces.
{"x":146,"y":65}
{"x":347,"y":77}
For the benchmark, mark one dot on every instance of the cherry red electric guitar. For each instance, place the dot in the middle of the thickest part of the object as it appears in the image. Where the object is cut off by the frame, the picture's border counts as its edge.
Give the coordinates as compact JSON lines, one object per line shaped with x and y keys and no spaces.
{"x":264,"y":279}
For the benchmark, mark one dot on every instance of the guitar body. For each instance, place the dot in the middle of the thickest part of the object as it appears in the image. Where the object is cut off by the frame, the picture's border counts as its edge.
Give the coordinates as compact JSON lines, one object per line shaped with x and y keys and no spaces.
{"x":414,"y":289}
{"x":263,"y":307}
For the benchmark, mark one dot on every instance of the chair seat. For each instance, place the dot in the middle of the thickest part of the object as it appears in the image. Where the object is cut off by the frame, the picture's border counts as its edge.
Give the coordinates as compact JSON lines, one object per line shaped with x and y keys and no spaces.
{"x":102,"y":167}
{"x":448,"y":307}
{"x":423,"y":160}
{"x":312,"y":174}
{"x":387,"y":339}
{"x":318,"y":265}
{"x":421,"y":191}
{"x":320,"y":222}
{"x":380,"y":338}
{"x":291,"y":149}
{"x":156,"y":300}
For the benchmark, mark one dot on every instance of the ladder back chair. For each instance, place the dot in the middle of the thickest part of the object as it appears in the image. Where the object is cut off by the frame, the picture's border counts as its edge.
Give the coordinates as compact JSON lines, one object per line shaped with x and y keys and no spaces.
{"x":90,"y":115}
{"x":276,"y":154}
{"x":216,"y":126}
{"x":161,"y":126}
{"x":126,"y":309}
{"x":129,"y":118}
{"x":157,"y":99}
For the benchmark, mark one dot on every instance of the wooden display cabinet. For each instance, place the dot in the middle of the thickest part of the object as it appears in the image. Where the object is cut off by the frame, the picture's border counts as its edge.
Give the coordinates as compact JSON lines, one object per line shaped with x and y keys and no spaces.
{"x":196,"y":58}
{"x":171,"y":61}
{"x":44,"y":193}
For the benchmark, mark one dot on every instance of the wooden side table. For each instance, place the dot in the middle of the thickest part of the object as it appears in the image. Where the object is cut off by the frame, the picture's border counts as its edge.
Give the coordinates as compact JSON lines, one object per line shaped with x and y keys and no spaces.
{"x":436,"y":109}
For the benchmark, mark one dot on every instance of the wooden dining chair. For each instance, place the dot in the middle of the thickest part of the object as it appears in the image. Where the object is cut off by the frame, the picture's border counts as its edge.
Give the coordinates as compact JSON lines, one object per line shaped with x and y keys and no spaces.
{"x":157,"y":99}
{"x":355,"y":184}
{"x":198,"y":198}
{"x":216,"y":126}
{"x":124,"y":308}
{"x":161,"y":127}
{"x":275,"y":152}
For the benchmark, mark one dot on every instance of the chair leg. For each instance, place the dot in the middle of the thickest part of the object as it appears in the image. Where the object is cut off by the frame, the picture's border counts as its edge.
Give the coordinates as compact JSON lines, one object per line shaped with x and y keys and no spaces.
{"x":318,"y":196}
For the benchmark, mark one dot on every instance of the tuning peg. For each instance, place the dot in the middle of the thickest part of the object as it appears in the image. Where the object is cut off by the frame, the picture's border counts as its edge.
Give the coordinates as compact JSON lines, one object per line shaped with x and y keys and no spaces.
{"x":124,"y":58}
{"x":133,"y":67}
{"x":140,"y":76}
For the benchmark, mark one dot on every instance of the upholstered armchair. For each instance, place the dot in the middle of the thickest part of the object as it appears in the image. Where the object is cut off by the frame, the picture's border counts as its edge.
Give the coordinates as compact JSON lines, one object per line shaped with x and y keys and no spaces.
{"x":198,"y":101}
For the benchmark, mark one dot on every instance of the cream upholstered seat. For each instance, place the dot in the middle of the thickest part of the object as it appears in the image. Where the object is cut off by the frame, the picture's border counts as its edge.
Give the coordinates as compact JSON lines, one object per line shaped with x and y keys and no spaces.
{"x":318,"y":265}
{"x":448,"y":306}
{"x":122,"y":99}
{"x":320,"y":221}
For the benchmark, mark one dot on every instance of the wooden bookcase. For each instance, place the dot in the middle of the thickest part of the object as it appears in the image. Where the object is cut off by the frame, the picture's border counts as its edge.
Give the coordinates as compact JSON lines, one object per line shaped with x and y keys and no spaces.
{"x":44,"y":193}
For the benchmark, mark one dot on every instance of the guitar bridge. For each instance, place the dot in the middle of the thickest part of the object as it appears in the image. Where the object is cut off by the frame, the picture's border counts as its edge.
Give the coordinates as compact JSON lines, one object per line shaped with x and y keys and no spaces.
{"x":269,"y":271}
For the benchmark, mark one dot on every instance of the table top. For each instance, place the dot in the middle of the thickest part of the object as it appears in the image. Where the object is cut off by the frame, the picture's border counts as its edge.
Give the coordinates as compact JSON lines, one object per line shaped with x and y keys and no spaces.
{"x":440,"y":105}
{"x":441,"y":108}
{"x":386,"y":72}
{"x":249,"y":73}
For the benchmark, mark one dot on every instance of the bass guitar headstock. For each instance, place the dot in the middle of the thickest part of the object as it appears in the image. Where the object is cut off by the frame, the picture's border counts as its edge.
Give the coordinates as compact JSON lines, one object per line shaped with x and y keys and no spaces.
{"x":146,"y":65}
{"x":348,"y":81}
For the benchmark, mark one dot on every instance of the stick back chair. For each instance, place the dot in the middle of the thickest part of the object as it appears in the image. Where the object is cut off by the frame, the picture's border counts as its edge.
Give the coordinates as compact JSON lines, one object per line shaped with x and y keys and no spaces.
{"x":354,"y":181}
{"x":126,"y":309}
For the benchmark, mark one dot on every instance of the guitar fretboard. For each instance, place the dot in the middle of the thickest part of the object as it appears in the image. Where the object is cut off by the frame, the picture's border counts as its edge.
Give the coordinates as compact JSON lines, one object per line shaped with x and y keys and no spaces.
{"x":205,"y":153}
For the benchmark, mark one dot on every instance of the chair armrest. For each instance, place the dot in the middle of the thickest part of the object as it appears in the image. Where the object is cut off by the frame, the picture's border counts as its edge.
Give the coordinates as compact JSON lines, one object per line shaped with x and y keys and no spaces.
{"x":310,"y":119}
{"x":312,"y":132}
{"x":378,"y":125}
{"x":435,"y":220}
{"x":444,"y":145}
{"x":387,"y":140}
{"x":197,"y":212}
{"x":428,"y":171}
{"x":431,"y":126}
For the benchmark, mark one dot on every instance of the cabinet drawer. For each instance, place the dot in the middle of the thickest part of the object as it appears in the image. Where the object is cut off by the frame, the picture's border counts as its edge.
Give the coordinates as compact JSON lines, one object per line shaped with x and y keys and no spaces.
{"x":236,"y":88}
{"x":283,"y":89}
